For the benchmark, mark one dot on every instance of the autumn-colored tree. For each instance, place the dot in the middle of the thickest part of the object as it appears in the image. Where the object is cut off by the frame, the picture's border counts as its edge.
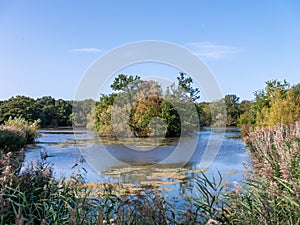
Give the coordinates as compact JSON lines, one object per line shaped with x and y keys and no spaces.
{"x":277,"y":103}
{"x":102,"y":115}
{"x":141,"y":108}
{"x":142,"y":114}
{"x":283,"y":110}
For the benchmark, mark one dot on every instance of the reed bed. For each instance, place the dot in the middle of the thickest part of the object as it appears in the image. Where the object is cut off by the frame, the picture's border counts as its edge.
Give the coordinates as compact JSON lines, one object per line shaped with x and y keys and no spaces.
{"x":270,"y":194}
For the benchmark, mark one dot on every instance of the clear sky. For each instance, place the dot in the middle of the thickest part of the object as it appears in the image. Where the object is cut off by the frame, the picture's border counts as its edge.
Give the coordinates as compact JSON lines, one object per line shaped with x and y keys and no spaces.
{"x":46,"y":46}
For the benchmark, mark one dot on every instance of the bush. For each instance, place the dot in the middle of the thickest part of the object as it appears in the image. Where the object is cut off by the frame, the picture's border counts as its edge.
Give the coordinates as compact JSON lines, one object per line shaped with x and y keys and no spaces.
{"x":30,"y":129}
{"x":11,"y":138}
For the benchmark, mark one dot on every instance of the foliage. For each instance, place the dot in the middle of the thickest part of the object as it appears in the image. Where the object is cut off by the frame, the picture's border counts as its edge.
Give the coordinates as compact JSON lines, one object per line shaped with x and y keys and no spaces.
{"x":272,"y":195}
{"x":218,"y":113}
{"x":51,"y":112}
{"x":142,"y":109}
{"x":30,"y":130}
{"x":232,"y":109}
{"x":102,"y":117}
{"x":17,"y":133}
{"x":284,"y":110}
{"x":19,"y":106}
{"x":205,"y":114}
{"x":122,"y":81}
{"x":11,"y":138}
{"x":223,"y":112}
{"x":277,"y":103}
{"x":186,"y":84}
{"x":81,"y":112}
{"x":142,"y":114}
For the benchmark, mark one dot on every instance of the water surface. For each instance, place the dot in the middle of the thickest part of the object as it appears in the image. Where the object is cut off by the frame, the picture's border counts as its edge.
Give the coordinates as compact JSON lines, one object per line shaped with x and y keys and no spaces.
{"x":66,"y":149}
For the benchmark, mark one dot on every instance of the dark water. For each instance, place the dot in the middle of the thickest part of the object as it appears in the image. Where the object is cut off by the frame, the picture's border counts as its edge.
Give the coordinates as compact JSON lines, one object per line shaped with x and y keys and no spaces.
{"x":166,"y":163}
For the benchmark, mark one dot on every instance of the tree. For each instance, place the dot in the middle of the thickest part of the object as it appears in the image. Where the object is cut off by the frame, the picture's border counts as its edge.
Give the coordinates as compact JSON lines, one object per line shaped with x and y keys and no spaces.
{"x":205,"y":113}
{"x":102,"y":115}
{"x":122,"y":81}
{"x":186,"y":83}
{"x":18,"y":107}
{"x":283,"y":110}
{"x":80,"y":111}
{"x":140,"y":108}
{"x":263,"y":97}
{"x":232,"y":109}
{"x":171,"y":118}
{"x":47,"y":111}
{"x":218,"y":113}
{"x":63,"y":111}
{"x":143,"y":112}
{"x":277,"y":103}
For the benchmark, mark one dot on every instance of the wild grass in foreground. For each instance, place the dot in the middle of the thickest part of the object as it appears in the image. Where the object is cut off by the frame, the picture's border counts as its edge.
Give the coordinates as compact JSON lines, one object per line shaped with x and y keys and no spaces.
{"x":269,"y":196}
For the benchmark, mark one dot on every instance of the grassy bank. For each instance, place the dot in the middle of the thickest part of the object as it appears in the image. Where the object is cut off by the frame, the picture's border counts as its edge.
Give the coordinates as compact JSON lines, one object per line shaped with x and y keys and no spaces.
{"x":270,"y":194}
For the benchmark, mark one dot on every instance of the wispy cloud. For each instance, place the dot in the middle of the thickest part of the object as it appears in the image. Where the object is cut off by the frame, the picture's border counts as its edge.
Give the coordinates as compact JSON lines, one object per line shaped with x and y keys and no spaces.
{"x":87,"y":50}
{"x":211,"y":50}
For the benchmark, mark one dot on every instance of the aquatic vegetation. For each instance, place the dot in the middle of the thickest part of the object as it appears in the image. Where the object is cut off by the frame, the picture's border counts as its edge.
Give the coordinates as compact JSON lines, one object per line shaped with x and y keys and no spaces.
{"x":273,"y":194}
{"x":270,"y":194}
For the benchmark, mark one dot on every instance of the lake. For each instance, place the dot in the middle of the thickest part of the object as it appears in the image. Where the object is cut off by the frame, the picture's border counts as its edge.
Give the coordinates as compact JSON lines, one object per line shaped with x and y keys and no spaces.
{"x":158,"y":163}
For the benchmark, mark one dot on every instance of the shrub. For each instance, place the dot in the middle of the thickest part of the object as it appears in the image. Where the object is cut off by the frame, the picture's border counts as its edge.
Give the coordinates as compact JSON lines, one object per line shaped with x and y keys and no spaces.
{"x":11,"y":137}
{"x":30,"y":129}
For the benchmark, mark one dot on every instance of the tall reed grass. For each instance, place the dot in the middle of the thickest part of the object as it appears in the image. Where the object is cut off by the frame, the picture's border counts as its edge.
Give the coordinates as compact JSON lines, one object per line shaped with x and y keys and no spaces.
{"x":271,"y":195}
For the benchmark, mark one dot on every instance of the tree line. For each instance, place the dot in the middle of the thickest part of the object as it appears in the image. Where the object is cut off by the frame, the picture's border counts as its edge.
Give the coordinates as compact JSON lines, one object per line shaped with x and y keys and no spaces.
{"x":278,"y":102}
{"x":145,"y":109}
{"x":50,"y":112}
{"x":224,"y":112}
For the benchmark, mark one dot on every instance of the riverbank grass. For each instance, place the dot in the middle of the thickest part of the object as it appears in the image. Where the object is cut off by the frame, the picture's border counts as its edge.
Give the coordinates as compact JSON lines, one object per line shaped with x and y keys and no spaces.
{"x":270,"y":195}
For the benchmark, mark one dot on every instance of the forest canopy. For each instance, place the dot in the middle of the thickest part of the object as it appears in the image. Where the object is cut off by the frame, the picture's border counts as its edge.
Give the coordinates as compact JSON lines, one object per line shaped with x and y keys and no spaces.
{"x":49,"y":111}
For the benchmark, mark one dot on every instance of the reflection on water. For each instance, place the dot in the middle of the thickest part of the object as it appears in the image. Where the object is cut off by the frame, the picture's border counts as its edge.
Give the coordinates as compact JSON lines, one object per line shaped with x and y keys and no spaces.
{"x":66,"y":148}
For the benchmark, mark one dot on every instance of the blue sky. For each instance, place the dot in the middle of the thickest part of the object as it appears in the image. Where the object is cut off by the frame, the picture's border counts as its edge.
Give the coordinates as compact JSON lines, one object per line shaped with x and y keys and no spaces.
{"x":46,"y":46}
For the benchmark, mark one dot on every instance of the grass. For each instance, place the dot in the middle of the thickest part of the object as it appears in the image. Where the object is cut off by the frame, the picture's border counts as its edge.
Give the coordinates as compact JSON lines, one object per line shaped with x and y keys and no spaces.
{"x":271,"y":194}
{"x":17,"y":133}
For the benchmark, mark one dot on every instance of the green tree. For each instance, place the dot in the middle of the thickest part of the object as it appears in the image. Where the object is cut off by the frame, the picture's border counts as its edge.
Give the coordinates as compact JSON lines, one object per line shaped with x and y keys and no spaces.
{"x":81,"y":110}
{"x":205,"y":114}
{"x":47,"y":111}
{"x":122,"y":81}
{"x":232,"y":109}
{"x":263,"y":97}
{"x":186,"y":83}
{"x":18,"y":107}
{"x":218,"y":113}
{"x":102,"y":115}
{"x":63,"y":111}
{"x":171,"y":118}
{"x":277,"y":103}
{"x":283,"y":110}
